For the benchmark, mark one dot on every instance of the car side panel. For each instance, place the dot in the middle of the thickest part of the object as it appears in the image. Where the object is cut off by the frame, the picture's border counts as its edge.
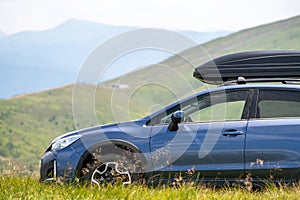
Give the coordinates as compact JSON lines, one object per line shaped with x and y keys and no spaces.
{"x":201,"y":147}
{"x":273,"y":148}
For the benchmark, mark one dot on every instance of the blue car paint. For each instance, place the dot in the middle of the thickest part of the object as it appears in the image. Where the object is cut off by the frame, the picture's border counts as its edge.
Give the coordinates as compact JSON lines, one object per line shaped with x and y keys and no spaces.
{"x":228,"y":152}
{"x":272,"y":148}
{"x":230,"y":156}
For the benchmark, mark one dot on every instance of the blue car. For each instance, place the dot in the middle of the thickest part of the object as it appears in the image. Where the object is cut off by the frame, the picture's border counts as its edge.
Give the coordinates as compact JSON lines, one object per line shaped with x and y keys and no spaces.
{"x":247,"y":128}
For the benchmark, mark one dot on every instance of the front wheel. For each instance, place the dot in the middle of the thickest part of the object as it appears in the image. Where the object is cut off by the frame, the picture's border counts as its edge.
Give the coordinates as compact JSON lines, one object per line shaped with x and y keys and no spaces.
{"x":110,"y":172}
{"x":120,"y":166}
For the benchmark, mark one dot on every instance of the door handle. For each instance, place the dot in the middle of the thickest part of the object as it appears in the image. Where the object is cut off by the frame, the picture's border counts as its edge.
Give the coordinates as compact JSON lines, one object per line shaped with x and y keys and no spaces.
{"x":232,"y":133}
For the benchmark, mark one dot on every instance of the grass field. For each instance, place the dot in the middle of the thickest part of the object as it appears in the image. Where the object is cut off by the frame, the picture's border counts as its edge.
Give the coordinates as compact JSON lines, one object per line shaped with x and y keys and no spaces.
{"x":18,"y":187}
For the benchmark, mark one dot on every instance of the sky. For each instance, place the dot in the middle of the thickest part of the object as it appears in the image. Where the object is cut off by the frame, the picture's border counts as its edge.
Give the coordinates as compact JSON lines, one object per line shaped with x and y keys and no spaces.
{"x":198,"y":15}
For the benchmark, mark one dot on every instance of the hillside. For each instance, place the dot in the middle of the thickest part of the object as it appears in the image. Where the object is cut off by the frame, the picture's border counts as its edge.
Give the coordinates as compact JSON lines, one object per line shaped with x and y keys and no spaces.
{"x":28,"y":123}
{"x":279,"y":35}
{"x":283,"y":34}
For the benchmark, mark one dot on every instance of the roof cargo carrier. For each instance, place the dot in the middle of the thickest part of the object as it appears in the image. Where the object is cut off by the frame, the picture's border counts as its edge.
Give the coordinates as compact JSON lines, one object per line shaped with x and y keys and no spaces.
{"x":259,"y":65}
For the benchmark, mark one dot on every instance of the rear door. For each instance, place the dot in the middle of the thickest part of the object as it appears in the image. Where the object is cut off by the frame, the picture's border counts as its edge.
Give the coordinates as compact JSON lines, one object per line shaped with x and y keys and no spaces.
{"x":273,"y":136}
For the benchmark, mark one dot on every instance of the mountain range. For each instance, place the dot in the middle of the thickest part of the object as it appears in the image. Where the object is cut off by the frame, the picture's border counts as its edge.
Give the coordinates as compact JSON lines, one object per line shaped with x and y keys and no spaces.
{"x":36,"y":60}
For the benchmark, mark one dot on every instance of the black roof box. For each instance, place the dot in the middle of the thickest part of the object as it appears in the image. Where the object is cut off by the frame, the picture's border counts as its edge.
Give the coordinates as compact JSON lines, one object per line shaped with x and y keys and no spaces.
{"x":250,"y":65}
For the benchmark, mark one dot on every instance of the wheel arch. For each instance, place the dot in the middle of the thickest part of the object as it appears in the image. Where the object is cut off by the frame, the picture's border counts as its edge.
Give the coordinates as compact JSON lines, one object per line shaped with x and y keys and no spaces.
{"x":87,"y":156}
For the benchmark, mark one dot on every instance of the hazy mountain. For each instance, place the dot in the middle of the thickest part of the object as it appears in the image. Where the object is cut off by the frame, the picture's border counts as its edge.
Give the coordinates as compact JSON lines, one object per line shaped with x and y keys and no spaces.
{"x":36,"y":60}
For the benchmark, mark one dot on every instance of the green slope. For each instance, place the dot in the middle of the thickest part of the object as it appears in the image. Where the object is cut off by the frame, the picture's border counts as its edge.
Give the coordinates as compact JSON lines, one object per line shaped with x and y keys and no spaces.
{"x":28,"y":123}
{"x":279,"y":35}
{"x":283,"y":34}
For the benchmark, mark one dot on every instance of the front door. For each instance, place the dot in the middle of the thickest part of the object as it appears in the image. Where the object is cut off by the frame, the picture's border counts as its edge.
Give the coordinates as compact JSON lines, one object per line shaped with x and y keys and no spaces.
{"x":210,"y":142}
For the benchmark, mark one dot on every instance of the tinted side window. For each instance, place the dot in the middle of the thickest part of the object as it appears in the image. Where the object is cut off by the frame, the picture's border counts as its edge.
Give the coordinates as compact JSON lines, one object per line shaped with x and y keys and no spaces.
{"x":278,"y":104}
{"x":217,"y":106}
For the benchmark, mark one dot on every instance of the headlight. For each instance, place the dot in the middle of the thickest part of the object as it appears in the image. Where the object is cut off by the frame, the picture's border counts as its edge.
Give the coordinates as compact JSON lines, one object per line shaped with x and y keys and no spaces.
{"x":64,"y":142}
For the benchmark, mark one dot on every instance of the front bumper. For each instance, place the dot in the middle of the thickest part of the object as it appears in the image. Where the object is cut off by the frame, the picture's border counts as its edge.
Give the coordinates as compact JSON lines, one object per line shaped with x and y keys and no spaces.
{"x":48,"y":167}
{"x":59,"y":164}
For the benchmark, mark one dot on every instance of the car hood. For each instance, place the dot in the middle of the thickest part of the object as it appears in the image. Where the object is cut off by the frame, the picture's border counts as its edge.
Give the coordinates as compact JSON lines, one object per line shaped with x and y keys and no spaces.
{"x":105,"y":128}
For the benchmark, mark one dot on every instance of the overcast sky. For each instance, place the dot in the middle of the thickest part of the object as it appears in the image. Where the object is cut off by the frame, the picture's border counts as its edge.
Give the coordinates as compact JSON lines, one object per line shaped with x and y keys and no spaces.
{"x":199,"y":15}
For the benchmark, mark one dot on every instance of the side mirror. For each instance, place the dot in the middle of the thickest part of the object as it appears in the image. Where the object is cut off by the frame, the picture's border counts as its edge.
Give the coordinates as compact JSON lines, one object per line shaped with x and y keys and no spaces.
{"x":176,"y":118}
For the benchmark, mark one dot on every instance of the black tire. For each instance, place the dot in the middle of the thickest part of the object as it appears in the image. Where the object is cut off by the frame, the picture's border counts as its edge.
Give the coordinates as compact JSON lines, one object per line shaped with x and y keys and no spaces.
{"x":112,"y":165}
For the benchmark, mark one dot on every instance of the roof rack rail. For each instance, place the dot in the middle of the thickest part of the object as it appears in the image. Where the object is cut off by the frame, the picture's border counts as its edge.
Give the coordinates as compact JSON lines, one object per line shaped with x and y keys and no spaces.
{"x":241,"y":80}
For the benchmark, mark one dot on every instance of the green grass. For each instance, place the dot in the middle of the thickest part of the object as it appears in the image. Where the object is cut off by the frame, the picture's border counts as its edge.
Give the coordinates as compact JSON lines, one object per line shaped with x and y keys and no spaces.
{"x":17,"y":187}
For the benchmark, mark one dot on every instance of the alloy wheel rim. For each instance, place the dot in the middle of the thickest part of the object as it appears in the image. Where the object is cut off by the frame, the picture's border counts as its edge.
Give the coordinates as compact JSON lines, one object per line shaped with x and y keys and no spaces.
{"x":110,"y":172}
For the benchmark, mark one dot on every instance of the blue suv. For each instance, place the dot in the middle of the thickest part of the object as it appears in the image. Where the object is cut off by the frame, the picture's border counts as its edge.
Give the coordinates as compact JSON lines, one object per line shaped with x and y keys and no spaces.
{"x":235,"y":132}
